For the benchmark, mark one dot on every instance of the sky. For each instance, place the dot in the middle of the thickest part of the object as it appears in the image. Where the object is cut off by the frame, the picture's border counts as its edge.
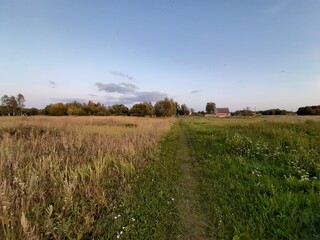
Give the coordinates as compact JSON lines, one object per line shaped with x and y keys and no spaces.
{"x":260,"y":54}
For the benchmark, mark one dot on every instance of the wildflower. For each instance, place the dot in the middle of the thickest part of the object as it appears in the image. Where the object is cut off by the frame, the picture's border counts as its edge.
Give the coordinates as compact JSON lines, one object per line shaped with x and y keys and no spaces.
{"x":304,"y":178}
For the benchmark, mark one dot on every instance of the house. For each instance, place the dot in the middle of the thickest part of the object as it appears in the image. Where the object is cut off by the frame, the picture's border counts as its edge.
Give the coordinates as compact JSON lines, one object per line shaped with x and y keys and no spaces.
{"x":219,"y":112}
{"x":222,"y":112}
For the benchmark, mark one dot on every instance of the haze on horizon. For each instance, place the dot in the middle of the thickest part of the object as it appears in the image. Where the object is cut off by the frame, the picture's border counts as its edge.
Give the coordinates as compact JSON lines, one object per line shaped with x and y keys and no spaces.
{"x":250,"y":53}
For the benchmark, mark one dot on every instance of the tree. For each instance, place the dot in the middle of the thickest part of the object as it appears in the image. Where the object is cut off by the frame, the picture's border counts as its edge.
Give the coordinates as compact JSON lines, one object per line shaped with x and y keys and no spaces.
{"x":10,"y":104}
{"x":3,"y":110}
{"x":119,"y":110}
{"x":276,"y":111}
{"x":309,"y":110}
{"x":20,"y":102}
{"x":31,"y":111}
{"x":165,"y":108}
{"x":95,"y":109}
{"x":246,"y":112}
{"x":210,"y":107}
{"x":75,"y":108}
{"x":183,"y":109}
{"x":4,"y":105}
{"x":56,"y":109}
{"x":142,"y":109}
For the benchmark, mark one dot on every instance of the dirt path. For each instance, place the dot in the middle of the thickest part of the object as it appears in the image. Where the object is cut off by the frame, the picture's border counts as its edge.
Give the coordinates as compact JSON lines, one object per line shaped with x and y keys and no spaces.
{"x":192,"y":220}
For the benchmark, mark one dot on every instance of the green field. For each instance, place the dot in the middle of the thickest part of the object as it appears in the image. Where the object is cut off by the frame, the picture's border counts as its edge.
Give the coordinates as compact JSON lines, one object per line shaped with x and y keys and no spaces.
{"x":145,"y":178}
{"x":259,"y":178}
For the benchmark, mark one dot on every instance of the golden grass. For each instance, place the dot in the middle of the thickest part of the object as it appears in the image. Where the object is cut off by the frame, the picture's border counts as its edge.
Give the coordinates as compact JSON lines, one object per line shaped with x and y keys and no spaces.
{"x":61,"y":176}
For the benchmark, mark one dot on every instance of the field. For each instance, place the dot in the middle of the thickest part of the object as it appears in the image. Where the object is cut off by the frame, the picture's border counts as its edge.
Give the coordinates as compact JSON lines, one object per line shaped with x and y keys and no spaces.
{"x":66,"y":177}
{"x":149,"y":178}
{"x":259,"y":177}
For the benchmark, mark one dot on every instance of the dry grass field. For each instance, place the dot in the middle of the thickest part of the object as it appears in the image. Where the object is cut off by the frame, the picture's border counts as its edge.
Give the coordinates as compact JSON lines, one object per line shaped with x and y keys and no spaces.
{"x":61,"y":177}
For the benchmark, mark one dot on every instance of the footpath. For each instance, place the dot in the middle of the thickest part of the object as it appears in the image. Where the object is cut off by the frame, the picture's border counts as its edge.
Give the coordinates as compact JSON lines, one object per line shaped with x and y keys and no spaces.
{"x":193,"y":222}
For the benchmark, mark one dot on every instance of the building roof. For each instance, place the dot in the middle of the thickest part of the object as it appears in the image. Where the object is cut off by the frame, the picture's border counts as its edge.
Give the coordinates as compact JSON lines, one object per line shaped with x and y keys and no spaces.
{"x":222,"y":110}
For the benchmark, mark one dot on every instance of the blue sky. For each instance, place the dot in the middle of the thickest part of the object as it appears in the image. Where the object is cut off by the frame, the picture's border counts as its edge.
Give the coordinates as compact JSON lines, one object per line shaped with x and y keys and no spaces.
{"x":250,"y":53}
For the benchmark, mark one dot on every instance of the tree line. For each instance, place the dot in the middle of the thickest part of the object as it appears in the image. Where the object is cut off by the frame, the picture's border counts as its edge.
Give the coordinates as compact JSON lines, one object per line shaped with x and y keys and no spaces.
{"x":309,"y":110}
{"x":164,"y":108}
{"x":15,"y":105}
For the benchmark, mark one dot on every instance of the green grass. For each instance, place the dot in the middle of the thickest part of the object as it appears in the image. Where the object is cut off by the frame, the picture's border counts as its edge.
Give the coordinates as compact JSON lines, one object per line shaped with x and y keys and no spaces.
{"x":258,"y":179}
{"x":149,"y":211}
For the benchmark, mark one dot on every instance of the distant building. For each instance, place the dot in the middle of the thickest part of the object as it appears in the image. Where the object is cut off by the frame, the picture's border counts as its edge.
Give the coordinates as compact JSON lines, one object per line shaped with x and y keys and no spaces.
{"x":220,"y":112}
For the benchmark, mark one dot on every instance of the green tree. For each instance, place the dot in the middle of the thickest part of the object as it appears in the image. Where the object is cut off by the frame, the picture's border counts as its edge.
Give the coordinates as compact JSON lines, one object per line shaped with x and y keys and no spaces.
{"x":210,"y":107}
{"x":142,"y":109}
{"x":184,"y":109}
{"x":165,"y":108}
{"x":20,"y":102}
{"x":31,"y":111}
{"x":3,"y":111}
{"x":75,"y":108}
{"x":10,"y":104}
{"x":309,"y":110}
{"x":119,"y":110}
{"x":56,"y":109}
{"x":95,"y":109}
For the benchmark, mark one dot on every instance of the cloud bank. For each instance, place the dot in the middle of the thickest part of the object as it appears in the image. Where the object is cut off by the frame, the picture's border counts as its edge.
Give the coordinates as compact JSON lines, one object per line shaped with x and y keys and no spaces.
{"x":129,"y":93}
{"x":123,"y":88}
{"x":143,"y":97}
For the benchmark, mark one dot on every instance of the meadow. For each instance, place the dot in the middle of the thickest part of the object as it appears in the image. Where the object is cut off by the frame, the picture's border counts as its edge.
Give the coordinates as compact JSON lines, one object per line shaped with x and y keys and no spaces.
{"x":159,"y":178}
{"x":65,"y":177}
{"x":258,"y":177}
